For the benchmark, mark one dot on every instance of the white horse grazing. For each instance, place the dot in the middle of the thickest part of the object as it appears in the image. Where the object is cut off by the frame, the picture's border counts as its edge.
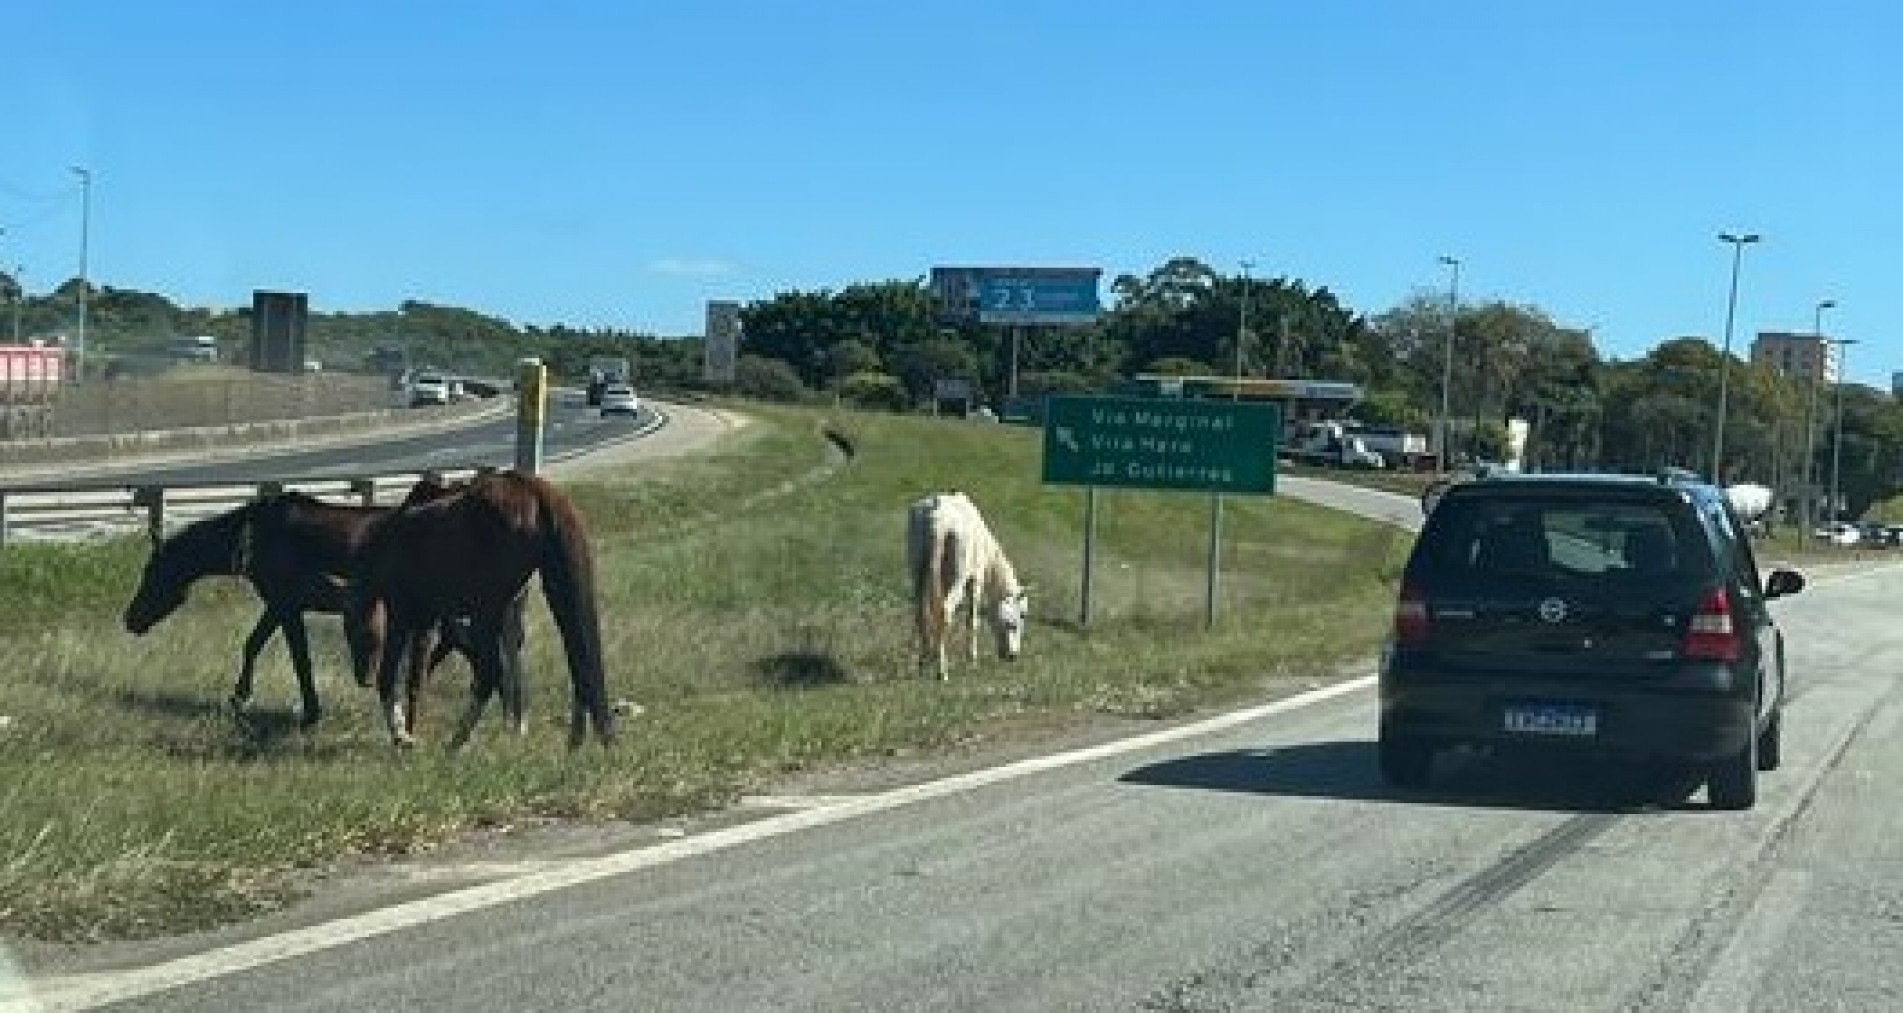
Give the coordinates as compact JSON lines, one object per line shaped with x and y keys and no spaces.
{"x":955,"y":561}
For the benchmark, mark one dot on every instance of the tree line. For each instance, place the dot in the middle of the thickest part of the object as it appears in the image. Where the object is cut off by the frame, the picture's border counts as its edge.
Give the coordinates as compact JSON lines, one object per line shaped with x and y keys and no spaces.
{"x":884,"y":344}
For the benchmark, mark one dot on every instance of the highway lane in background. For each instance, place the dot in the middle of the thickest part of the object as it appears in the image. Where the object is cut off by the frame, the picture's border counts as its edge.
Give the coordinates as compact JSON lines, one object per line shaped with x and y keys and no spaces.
{"x":572,"y":428}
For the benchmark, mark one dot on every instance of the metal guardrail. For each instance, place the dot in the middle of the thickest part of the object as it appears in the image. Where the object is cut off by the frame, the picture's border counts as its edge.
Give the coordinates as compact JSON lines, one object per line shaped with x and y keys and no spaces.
{"x":68,"y":510}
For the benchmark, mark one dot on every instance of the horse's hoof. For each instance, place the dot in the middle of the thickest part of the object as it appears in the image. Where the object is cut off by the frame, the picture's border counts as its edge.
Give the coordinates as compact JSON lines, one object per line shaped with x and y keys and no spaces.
{"x":309,"y":720}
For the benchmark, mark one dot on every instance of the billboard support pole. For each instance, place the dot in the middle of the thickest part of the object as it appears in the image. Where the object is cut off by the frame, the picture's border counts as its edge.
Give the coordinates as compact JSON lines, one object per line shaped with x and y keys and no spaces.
{"x":1016,"y":332}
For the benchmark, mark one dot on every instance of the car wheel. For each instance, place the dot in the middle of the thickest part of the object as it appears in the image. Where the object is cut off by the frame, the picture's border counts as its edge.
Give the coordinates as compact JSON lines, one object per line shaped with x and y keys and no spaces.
{"x":1771,"y":742}
{"x":1406,"y":760}
{"x":1733,"y":782}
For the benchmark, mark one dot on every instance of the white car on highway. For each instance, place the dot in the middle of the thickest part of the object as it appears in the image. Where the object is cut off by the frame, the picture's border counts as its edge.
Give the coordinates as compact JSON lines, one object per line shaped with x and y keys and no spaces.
{"x":619,"y":399}
{"x":429,"y":389}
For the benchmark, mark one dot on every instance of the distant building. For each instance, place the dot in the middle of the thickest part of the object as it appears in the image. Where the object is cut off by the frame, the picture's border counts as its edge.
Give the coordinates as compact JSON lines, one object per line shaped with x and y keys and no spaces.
{"x":1800,"y":356}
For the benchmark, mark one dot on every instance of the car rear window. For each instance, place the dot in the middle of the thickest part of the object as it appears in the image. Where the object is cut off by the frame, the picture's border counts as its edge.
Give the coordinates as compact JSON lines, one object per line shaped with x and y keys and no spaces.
{"x":1594,"y":540}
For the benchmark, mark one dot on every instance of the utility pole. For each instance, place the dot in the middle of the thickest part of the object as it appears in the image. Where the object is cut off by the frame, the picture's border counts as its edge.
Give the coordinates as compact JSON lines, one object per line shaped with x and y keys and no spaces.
{"x":1213,"y":590}
{"x":1447,"y":364}
{"x":1738,"y":243}
{"x":1837,"y":443}
{"x":19,"y":299}
{"x":85,"y":230}
{"x":1822,"y":350}
{"x":16,"y":293}
{"x":1242,"y":322}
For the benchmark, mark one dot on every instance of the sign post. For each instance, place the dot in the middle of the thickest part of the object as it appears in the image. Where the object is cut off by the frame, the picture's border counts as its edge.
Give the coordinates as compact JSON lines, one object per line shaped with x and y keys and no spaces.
{"x":1160,"y":443}
{"x":531,"y":409}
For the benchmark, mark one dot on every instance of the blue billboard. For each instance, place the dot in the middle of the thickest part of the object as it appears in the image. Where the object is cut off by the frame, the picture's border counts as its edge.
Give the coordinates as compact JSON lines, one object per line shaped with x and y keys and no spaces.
{"x":1027,"y":296}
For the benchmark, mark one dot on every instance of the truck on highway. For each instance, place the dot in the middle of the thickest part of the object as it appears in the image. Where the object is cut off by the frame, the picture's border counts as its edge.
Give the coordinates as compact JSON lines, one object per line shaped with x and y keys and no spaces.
{"x":30,"y":377}
{"x":1350,"y":444}
{"x":606,"y":371}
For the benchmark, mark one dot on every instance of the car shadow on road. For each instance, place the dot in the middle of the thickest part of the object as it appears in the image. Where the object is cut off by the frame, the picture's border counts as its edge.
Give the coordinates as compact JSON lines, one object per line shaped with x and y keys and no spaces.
{"x":1348,"y":771}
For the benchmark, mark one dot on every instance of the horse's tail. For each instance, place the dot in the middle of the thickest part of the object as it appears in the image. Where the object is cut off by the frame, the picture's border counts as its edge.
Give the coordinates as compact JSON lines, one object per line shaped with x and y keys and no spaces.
{"x":927,"y":543}
{"x":568,"y":585}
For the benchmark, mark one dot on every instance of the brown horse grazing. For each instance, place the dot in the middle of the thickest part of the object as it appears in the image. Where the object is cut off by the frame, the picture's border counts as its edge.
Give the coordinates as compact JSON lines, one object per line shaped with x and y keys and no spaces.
{"x":468,"y":550}
{"x":298,"y":553}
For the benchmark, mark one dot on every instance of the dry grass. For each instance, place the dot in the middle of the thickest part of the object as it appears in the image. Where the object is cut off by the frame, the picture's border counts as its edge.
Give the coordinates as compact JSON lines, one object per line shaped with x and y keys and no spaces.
{"x":761,"y":634}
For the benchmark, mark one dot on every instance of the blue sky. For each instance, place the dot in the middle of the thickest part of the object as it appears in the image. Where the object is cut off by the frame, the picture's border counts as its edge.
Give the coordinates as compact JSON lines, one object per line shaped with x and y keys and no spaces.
{"x":618,"y":163}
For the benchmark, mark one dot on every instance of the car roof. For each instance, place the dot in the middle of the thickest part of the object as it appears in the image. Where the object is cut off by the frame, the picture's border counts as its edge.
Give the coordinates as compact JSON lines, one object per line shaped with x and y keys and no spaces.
{"x":1667,"y":478}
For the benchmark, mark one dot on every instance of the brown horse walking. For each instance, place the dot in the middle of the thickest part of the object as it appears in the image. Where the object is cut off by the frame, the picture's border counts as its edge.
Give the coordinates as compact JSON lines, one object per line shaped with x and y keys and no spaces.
{"x":298,"y":553}
{"x":468,"y":550}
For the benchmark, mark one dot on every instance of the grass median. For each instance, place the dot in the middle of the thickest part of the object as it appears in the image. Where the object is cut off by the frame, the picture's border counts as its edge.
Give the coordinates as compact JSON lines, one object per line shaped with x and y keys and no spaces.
{"x":755,"y":610}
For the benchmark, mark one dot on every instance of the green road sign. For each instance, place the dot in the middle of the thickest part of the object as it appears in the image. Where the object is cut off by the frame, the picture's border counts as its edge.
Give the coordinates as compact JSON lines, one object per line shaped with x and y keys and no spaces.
{"x":1162,"y":443}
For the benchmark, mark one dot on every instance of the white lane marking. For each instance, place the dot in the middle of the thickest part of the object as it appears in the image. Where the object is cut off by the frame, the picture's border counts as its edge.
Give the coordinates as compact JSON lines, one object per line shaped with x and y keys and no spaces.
{"x":86,"y":991}
{"x":797,"y":801}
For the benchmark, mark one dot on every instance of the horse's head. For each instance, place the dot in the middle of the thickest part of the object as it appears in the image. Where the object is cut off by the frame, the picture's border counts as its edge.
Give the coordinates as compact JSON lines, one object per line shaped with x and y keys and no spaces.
{"x":162,"y":588}
{"x":1009,"y":615}
{"x":218,"y":544}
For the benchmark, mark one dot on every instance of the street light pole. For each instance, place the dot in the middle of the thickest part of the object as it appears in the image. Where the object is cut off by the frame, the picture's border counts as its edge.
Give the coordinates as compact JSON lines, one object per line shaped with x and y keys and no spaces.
{"x":85,"y":231}
{"x":15,"y":293}
{"x":1738,"y":243}
{"x":1213,"y":585}
{"x":1242,"y":323}
{"x":1837,"y":443}
{"x":1808,"y":514}
{"x":1447,"y":361}
{"x":19,"y":298}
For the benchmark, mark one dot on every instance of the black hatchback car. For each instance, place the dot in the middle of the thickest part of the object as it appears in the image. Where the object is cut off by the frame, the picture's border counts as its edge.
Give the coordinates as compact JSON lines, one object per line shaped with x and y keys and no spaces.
{"x":1622,"y":614}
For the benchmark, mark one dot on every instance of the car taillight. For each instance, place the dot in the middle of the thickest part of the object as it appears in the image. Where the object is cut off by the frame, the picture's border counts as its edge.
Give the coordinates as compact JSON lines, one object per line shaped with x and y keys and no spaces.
{"x":1410,"y":616}
{"x":1712,"y":636}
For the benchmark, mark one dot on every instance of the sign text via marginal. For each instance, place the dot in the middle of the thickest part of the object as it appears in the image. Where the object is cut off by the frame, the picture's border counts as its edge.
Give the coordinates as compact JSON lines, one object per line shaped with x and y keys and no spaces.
{"x":1162,"y":443}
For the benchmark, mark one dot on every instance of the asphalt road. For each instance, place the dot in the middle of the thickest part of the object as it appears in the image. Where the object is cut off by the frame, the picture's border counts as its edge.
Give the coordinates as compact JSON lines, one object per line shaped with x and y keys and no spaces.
{"x":572,"y":428}
{"x":1251,"y":862}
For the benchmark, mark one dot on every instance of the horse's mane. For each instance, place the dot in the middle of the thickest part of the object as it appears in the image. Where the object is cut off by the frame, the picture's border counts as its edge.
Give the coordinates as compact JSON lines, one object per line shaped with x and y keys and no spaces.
{"x":1000,"y":576}
{"x":520,"y":498}
{"x":194,"y":542}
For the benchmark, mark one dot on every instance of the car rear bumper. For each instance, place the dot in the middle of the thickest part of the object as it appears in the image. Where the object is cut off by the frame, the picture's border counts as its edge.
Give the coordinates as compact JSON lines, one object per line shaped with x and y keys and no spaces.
{"x":1637,"y":721}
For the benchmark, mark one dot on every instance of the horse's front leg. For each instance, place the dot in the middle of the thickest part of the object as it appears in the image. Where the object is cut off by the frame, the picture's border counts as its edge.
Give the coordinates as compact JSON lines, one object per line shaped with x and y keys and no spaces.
{"x":298,"y":640}
{"x":422,"y":639}
{"x":974,"y":604}
{"x":253,"y":645}
{"x":486,"y":663}
{"x":396,"y":651}
{"x":366,"y":631}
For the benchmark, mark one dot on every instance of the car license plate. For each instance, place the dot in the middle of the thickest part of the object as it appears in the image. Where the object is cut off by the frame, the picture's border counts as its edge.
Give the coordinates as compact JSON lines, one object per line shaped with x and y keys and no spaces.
{"x":1552,"y":719}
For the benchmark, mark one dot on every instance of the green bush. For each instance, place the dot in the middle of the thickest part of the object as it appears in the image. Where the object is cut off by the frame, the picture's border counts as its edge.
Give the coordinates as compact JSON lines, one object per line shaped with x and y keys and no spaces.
{"x":768,"y":380}
{"x":874,"y":390}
